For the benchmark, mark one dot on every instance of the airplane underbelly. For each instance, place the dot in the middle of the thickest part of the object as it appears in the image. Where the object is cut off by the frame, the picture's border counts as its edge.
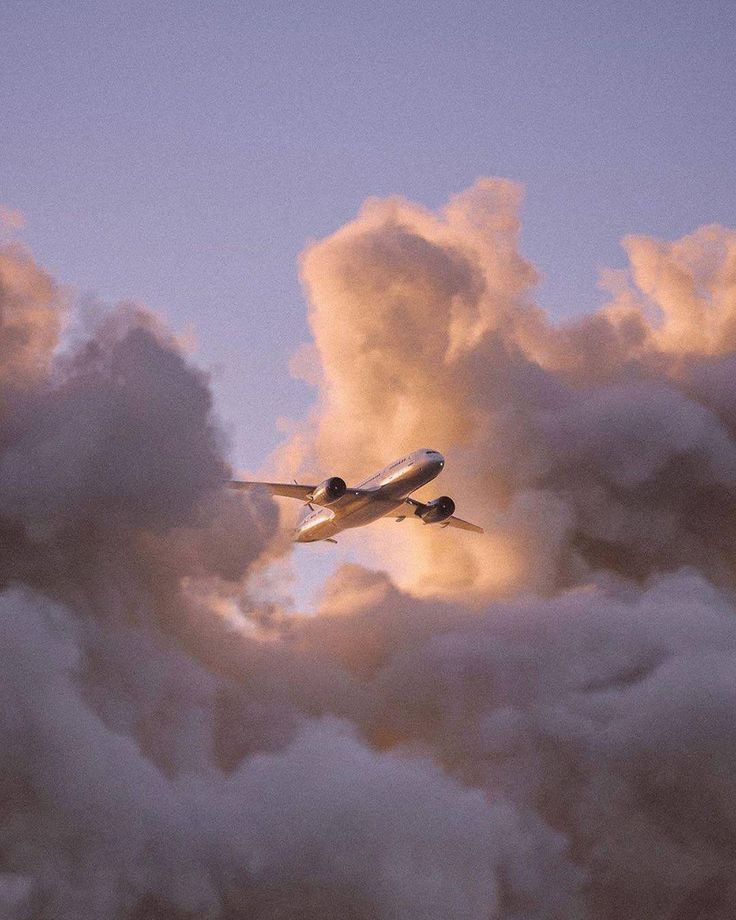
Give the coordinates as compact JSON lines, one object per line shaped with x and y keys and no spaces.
{"x":370,"y":512}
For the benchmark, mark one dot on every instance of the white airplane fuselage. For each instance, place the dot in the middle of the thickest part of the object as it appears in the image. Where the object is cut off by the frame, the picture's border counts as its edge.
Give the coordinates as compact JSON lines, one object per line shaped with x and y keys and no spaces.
{"x":382,"y":493}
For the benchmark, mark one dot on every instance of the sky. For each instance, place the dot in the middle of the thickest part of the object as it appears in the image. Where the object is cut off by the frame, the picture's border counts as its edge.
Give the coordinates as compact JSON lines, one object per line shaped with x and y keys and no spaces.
{"x":184,"y":156}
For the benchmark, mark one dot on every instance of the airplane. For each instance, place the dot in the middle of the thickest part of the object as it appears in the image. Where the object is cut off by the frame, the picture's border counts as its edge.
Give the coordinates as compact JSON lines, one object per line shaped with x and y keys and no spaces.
{"x":385,"y":494}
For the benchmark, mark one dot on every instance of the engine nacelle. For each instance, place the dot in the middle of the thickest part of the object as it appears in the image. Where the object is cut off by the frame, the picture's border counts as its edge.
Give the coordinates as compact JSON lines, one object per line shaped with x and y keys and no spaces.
{"x":438,"y":510}
{"x":329,"y":491}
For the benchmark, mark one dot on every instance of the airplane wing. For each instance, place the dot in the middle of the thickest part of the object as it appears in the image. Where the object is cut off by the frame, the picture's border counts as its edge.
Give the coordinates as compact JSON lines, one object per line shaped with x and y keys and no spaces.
{"x":292,"y":490}
{"x":287,"y":490}
{"x":412,"y":508}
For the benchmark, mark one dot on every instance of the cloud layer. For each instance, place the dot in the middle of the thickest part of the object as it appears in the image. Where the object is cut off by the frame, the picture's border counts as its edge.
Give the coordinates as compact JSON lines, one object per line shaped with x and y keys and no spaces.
{"x":169,"y":748}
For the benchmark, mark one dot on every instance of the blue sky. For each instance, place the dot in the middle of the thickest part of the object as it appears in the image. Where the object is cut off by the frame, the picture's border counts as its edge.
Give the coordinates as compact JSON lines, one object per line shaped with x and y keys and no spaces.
{"x":183,"y":154}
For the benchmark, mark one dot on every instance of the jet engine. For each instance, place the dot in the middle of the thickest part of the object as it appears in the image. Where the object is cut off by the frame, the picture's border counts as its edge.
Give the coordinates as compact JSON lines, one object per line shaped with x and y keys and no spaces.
{"x":438,"y":510}
{"x":329,"y":491}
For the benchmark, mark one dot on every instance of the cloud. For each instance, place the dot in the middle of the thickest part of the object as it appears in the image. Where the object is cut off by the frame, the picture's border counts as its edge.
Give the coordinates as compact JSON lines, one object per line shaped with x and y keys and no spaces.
{"x":604,"y":713}
{"x":102,"y":825}
{"x":111,"y":464}
{"x":606,"y":442}
{"x":31,"y":316}
{"x":11,"y":220}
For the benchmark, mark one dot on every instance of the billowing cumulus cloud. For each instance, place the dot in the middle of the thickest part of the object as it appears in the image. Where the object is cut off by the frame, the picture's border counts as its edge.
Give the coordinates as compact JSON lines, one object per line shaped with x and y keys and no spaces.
{"x":606,"y":442}
{"x":104,"y":820}
{"x":30,"y":317}
{"x":169,"y":748}
{"x":604,"y":713}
